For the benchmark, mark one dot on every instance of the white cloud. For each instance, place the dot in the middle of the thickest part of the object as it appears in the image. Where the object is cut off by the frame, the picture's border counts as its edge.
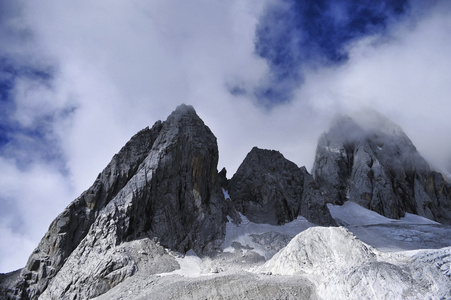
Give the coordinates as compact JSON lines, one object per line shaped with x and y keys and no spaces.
{"x":122,"y":66}
{"x":405,"y":77}
{"x":31,"y":198}
{"x":126,"y":64}
{"x":15,"y":250}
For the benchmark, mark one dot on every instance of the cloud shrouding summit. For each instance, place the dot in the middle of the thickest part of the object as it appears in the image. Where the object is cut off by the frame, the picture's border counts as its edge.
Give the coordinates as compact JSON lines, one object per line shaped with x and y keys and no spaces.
{"x":79,"y":78}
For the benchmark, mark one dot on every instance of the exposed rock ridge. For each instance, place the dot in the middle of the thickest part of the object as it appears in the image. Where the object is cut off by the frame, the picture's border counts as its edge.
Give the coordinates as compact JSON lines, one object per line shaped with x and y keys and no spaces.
{"x":184,"y":203}
{"x":72,"y":225}
{"x":377,"y":166}
{"x":162,"y":185}
{"x":163,"y":190}
{"x":268,"y":188}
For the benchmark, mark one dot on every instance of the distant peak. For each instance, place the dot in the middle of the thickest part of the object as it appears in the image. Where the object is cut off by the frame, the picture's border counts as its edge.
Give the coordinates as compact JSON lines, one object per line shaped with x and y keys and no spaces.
{"x":362,"y":124}
{"x":344,"y":129}
{"x":257,"y":150}
{"x":344,"y":123}
{"x":183,"y":113}
{"x":372,"y":120}
{"x":184,"y":109}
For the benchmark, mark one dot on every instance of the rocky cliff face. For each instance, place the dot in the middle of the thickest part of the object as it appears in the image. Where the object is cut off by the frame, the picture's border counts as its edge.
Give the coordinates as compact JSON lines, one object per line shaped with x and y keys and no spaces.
{"x":376,"y":165}
{"x":162,"y":185}
{"x":72,"y":225}
{"x":268,"y":188}
{"x":162,"y":193}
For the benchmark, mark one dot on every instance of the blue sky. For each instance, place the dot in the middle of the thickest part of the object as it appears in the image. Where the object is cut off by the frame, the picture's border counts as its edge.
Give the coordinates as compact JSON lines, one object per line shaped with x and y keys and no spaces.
{"x":79,"y":78}
{"x":296,"y":34}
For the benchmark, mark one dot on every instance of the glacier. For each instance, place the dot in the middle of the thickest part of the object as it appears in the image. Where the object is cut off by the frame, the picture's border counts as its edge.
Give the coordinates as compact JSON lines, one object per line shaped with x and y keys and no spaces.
{"x":313,"y":262}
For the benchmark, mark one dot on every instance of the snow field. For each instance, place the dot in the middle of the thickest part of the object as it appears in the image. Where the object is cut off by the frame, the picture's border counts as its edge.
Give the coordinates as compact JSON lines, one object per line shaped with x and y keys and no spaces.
{"x":372,"y":258}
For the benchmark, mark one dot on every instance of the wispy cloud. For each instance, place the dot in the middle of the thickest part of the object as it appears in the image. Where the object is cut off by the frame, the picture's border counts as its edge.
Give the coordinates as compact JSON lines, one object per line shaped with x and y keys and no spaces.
{"x":294,"y":35}
{"x":403,"y":74}
{"x":30,"y":198}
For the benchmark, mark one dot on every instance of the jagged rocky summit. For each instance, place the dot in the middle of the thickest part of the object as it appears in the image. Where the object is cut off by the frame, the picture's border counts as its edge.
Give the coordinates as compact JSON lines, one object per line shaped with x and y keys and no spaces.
{"x":162,"y":193}
{"x":268,"y":188}
{"x":161,"y":186}
{"x":373,"y":163}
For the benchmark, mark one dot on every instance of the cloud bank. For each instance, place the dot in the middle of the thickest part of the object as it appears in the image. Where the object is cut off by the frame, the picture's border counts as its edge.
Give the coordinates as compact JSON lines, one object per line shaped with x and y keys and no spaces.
{"x":79,"y":78}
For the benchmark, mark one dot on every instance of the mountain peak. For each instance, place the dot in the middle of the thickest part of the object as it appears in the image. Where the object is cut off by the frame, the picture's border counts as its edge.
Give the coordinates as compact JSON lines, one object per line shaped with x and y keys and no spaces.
{"x":361,"y":125}
{"x":372,"y":120}
{"x":162,"y":186}
{"x":372,"y":162}
{"x":183,"y":111}
{"x":160,"y":198}
{"x":268,"y":188}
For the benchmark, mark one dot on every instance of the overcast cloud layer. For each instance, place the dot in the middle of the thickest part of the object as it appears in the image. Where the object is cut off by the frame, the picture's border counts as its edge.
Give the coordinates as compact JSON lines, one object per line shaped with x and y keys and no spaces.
{"x":79,"y":78}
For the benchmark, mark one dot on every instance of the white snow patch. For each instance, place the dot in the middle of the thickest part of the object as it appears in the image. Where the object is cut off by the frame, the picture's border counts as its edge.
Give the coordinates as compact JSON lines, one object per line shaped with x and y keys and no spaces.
{"x":352,"y":214}
{"x":190,"y":265}
{"x":415,"y":219}
{"x":385,"y":234}
{"x":241,"y":233}
{"x":343,"y":267}
{"x":319,"y":250}
{"x":226,"y":194}
{"x":334,"y":150}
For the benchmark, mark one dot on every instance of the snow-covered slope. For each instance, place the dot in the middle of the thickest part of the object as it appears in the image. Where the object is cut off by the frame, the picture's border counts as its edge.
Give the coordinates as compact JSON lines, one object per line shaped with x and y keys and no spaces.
{"x":343,"y":267}
{"x":352,"y":214}
{"x":263,"y":239}
{"x":155,"y":224}
{"x":408,"y":233}
{"x":371,"y":161}
{"x":319,"y":250}
{"x":313,"y":262}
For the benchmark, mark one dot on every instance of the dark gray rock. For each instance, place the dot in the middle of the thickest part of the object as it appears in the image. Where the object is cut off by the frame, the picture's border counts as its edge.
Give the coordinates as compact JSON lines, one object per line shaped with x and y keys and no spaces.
{"x":313,"y":203}
{"x":162,"y":184}
{"x":222,"y":179}
{"x":268,"y":188}
{"x":8,"y":283}
{"x":376,"y":165}
{"x":271,"y":241}
{"x":72,"y":225}
{"x":182,"y":201}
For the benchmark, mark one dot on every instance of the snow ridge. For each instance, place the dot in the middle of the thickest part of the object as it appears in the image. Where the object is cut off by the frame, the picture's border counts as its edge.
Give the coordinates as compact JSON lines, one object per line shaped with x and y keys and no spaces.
{"x":343,"y":267}
{"x":320,"y":250}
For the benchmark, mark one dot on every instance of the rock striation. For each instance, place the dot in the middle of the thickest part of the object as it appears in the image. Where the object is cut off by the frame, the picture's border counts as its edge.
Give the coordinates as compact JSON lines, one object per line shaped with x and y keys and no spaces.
{"x":268,"y":188}
{"x":374,"y":163}
{"x":72,"y":225}
{"x":161,"y":186}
